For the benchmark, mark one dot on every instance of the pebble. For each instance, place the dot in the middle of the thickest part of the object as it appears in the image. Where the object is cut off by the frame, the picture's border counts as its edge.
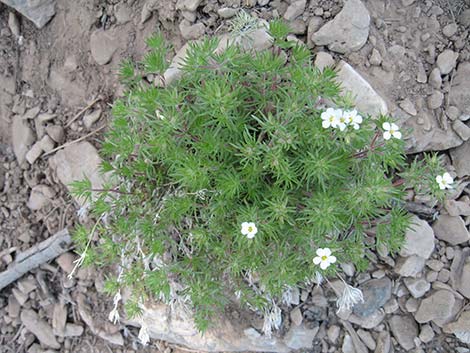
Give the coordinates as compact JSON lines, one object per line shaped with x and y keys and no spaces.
{"x":73,"y":330}
{"x":404,"y":329}
{"x":450,"y":29}
{"x":435,"y":100}
{"x":464,"y":18}
{"x":295,"y":9}
{"x":391,"y":306}
{"x":22,"y":137}
{"x":435,"y":79}
{"x":461,"y":129}
{"x":227,"y":12}
{"x":56,"y":132}
{"x":431,"y":276}
{"x":446,"y":61}
{"x":348,"y":345}
{"x":412,"y":305}
{"x":435,"y":265}
{"x":34,"y":153}
{"x":323,"y":59}
{"x":300,"y":337}
{"x":376,"y":293}
{"x":41,"y":195}
{"x":375,"y":58}
{"x":451,"y":229}
{"x":421,"y":74}
{"x":333,"y":333}
{"x":443,"y":276}
{"x":437,"y":306}
{"x":103,"y":46}
{"x":460,"y":160}
{"x":409,"y":266}
{"x":367,"y":338}
{"x":408,"y":106}
{"x":427,"y":334}
{"x":296,"y":316}
{"x":457,"y":208}
{"x":452,"y":112}
{"x":188,"y":5}
{"x":90,"y":118}
{"x":192,"y":31}
{"x":460,"y":94}
{"x":419,"y":239}
{"x":39,"y":328}
{"x":417,"y":286}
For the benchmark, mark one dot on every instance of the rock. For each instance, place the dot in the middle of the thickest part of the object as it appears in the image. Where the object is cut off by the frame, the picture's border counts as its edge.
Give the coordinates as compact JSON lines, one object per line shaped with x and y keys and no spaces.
{"x":459,"y":95}
{"x":59,"y":318}
{"x":451,"y":229}
{"x":188,"y":5}
{"x":421,"y":75}
{"x":417,"y":286}
{"x":76,"y":162}
{"x":367,"y":338}
{"x":333,"y":333}
{"x":295,"y":9}
{"x":367,"y":100}
{"x":39,"y":328}
{"x":103,"y":46}
{"x":368,"y":322}
{"x":460,"y":159}
{"x":460,"y":328}
{"x":383,"y":342}
{"x":348,"y":345}
{"x":56,"y":132}
{"x":409,"y":266}
{"x":22,"y":137}
{"x":404,"y":329}
{"x":376,"y":293}
{"x":227,"y":12}
{"x":463,"y":282}
{"x":435,"y":79}
{"x":461,"y":129}
{"x":437,"y":306}
{"x":14,"y":24}
{"x":419,"y":239}
{"x":296,"y":316}
{"x":192,"y":31}
{"x":73,"y":330}
{"x":314,"y":25}
{"x":323,"y":60}
{"x":300,"y":337}
{"x":39,"y":12}
{"x":435,"y":100}
{"x":464,"y":18}
{"x":40,"y":196}
{"x":34,"y":153}
{"x":348,"y":31}
{"x":446,"y":61}
{"x":47,"y":144}
{"x":427,"y":334}
{"x":91,"y":118}
{"x":450,"y":29}
{"x":408,"y":106}
{"x":123,"y":13}
{"x":375,"y":57}
{"x":66,"y":262}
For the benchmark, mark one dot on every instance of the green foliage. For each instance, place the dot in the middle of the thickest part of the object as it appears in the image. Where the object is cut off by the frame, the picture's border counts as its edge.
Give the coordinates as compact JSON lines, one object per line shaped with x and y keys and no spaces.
{"x":239,"y":138}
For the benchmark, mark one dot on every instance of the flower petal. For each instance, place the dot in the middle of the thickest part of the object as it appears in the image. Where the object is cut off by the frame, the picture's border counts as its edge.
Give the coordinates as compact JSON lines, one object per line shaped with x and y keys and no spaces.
{"x":316,"y":260}
{"x":327,"y":251}
{"x":324,"y":265}
{"x":325,"y":124}
{"x":439,"y":179}
{"x":250,"y":235}
{"x":332,"y":259}
{"x":320,"y":252}
{"x":442,"y":186}
{"x":397,"y":134}
{"x":386,"y":126}
{"x":387,"y":135}
{"x":447,"y":178}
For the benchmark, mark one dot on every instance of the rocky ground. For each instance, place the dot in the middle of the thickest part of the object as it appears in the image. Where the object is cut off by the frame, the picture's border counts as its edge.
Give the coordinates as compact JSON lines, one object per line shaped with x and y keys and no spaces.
{"x":408,"y":57}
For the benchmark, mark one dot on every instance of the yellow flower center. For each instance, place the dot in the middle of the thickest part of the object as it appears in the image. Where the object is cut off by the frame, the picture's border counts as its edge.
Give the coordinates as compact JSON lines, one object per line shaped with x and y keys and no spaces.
{"x":392,"y":131}
{"x":342,"y":119}
{"x":332,"y":118}
{"x":250,"y":229}
{"x":324,"y":258}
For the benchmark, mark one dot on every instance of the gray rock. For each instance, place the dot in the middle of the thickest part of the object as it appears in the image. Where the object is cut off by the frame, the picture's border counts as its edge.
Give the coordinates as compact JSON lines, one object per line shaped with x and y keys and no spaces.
{"x":404,"y":329}
{"x":451,"y":229}
{"x":375,"y":57}
{"x":419,"y":239}
{"x":460,"y":159}
{"x":383,"y":342}
{"x":296,"y":316}
{"x":333,"y":333}
{"x":39,"y":328}
{"x":323,"y":60}
{"x":103,"y":46}
{"x":463,"y":282}
{"x":39,"y":12}
{"x":14,"y":24}
{"x":464,"y":18}
{"x":314,"y":25}
{"x":192,"y":31}
{"x":450,"y":29}
{"x":368,"y":322}
{"x":376,"y":293}
{"x":348,"y":345}
{"x":40,"y":196}
{"x":437,"y":306}
{"x":460,"y":328}
{"x":56,"y":132}
{"x":367,"y":100}
{"x":427,"y":334}
{"x":461,"y":129}
{"x":435,"y":79}
{"x":409,"y":266}
{"x":367,"y":338}
{"x":227,"y":12}
{"x":75,"y":162}
{"x":299,"y":337}
{"x":91,"y":118}
{"x":446,"y":61}
{"x":408,"y":106}
{"x":123,"y":13}
{"x":417,"y":286}
{"x":34,"y":153}
{"x":295,"y":9}
{"x":188,"y":5}
{"x":459,"y":95}
{"x":22,"y":137}
{"x":348,"y":31}
{"x":73,"y":330}
{"x":435,"y":100}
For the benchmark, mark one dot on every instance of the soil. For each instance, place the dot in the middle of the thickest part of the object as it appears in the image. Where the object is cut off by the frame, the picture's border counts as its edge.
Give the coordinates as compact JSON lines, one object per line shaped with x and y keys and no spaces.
{"x":56,"y":70}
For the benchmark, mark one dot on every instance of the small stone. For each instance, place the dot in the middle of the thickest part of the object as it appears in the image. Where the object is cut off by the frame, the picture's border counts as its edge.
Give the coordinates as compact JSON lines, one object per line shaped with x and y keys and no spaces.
{"x":461,"y":129}
{"x":451,"y":229}
{"x":348,"y":345}
{"x":103,"y":46}
{"x":460,"y":159}
{"x":14,"y":307}
{"x":227,"y":12}
{"x":452,"y":113}
{"x":376,"y":293}
{"x":417,"y":286}
{"x":22,"y":137}
{"x":409,"y":266}
{"x":46,"y":143}
{"x":56,"y":132}
{"x":297,"y":26}
{"x":296,"y":316}
{"x":446,"y":61}
{"x":192,"y":31}
{"x":435,"y":79}
{"x":41,"y":195}
{"x":421,"y":75}
{"x":435,"y":100}
{"x":39,"y":328}
{"x":348,"y":31}
{"x":460,"y":328}
{"x":59,"y":318}
{"x":333,"y":333}
{"x":367,"y":338}
{"x":443,"y":276}
{"x":427,"y":334}
{"x":437,"y":306}
{"x":34,"y":153}
{"x":314,"y":25}
{"x":375,"y":57}
{"x":123,"y":13}
{"x":66,"y":262}
{"x":368,"y":322}
{"x":457,"y":208}
{"x":412,"y":305}
{"x":323,"y":60}
{"x":431,"y":276}
{"x":91,"y":118}
{"x":391,"y":306}
{"x":404,"y":329}
{"x":189,"y":5}
{"x":295,"y":9}
{"x":464,"y":18}
{"x":73,"y":330}
{"x":450,"y":29}
{"x":407,"y":2}
{"x":21,"y":297}
{"x":408,"y":106}
{"x":419,"y":239}
{"x":300,"y":337}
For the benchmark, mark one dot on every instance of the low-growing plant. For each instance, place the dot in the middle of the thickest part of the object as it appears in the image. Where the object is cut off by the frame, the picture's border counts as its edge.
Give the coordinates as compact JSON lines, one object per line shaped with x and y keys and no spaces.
{"x":248,"y":176}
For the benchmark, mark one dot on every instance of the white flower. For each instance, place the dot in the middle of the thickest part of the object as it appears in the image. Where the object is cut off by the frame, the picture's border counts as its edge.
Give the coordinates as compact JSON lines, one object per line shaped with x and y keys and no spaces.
{"x":353,"y":119}
{"x":342,"y":121}
{"x":350,"y":297}
{"x":324,"y":258}
{"x":391,"y":130}
{"x":249,"y":229}
{"x":330,"y":117}
{"x":445,"y":181}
